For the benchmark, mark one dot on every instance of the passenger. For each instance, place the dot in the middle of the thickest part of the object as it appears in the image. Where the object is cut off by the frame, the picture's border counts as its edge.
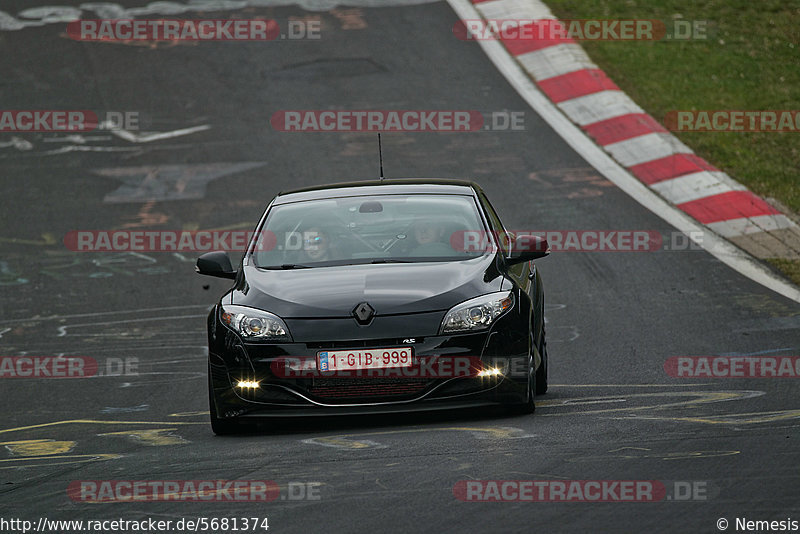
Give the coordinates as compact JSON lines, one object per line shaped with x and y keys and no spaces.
{"x":429,"y":236}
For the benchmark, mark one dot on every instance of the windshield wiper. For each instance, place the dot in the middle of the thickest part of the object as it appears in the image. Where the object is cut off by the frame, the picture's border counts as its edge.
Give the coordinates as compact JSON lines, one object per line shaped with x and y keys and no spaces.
{"x":287,"y":266}
{"x":389,"y":260}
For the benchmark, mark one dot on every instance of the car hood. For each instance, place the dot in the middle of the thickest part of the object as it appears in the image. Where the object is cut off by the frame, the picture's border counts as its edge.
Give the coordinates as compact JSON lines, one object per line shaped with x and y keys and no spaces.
{"x":389,"y":288}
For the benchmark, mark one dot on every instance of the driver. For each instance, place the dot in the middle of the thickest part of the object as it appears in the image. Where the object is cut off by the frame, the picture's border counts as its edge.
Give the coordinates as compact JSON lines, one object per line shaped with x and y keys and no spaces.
{"x":316,"y":245}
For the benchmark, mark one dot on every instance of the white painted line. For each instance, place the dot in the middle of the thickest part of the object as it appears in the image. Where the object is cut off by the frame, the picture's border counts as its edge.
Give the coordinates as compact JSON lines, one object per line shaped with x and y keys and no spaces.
{"x":598,"y":107}
{"x":82,"y":148}
{"x":148,"y":138}
{"x":555,"y":60}
{"x":720,"y":248}
{"x":751,"y":225}
{"x":696,"y":185}
{"x":646,"y":147}
{"x":18,"y":143}
{"x":513,"y":9}
{"x":78,"y":139}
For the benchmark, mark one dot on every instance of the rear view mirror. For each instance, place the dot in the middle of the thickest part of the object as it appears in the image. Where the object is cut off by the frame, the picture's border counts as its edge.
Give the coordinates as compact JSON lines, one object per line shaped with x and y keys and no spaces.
{"x":215,"y":264}
{"x":527,"y":248}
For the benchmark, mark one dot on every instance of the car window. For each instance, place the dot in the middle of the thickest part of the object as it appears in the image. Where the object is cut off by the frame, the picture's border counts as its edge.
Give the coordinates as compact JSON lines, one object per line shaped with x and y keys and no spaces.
{"x":368,"y":229}
{"x":502,"y":235}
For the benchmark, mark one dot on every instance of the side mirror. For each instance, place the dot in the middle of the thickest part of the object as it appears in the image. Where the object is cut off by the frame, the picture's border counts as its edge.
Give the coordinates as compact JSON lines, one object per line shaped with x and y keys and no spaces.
{"x":215,"y":264}
{"x":527,"y":248}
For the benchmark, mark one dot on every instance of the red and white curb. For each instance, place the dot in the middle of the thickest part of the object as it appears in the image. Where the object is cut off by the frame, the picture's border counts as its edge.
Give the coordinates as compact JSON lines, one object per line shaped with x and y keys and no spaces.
{"x":649,"y":163}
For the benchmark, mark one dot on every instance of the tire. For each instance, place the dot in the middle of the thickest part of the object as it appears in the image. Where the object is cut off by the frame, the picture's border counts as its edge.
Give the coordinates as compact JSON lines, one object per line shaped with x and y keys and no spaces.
{"x":220,"y":427}
{"x":528,"y":406}
{"x":541,"y":372}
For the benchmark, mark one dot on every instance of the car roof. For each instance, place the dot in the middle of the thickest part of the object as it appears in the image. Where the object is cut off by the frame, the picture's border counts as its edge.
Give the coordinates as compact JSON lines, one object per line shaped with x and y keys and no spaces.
{"x":380,"y":187}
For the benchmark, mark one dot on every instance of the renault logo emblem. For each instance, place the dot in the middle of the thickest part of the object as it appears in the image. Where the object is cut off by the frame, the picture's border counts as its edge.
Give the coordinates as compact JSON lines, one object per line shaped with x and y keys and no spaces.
{"x":363,"y":313}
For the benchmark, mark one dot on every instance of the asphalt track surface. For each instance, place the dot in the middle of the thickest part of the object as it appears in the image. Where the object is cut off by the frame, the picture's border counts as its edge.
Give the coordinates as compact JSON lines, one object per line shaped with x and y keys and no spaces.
{"x":612,"y":412}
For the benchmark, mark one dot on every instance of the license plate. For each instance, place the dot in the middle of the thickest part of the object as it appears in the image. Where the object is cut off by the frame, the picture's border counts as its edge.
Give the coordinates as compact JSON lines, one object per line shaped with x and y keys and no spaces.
{"x":349,"y":360}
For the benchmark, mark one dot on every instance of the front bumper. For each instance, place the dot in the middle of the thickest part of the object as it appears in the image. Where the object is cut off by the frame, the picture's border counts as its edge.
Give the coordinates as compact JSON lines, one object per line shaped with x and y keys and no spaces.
{"x":505,"y":346}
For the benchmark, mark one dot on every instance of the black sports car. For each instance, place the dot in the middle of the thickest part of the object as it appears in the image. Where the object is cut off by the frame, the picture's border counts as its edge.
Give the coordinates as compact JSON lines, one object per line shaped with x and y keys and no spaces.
{"x":377,"y":297}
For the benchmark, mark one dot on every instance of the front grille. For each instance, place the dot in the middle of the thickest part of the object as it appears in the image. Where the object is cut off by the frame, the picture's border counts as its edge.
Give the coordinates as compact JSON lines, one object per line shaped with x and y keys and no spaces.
{"x":352,"y":388}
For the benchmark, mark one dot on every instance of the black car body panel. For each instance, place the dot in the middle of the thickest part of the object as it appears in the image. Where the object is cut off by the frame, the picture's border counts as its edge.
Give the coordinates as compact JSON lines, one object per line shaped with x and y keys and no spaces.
{"x":390,"y":288}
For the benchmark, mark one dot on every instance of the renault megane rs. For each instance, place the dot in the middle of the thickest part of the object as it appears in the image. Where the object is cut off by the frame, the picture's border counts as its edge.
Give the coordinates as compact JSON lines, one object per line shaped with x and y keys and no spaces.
{"x":377,"y":297}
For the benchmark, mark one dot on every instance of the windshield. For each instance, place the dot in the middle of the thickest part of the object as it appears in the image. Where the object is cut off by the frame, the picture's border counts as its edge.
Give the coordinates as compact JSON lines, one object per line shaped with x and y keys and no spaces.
{"x":366,"y":229}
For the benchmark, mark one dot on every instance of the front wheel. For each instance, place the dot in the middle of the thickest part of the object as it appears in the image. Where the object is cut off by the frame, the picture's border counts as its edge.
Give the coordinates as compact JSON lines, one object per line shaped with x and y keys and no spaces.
{"x":528,"y":406}
{"x":541,"y":372}
{"x":220,"y":427}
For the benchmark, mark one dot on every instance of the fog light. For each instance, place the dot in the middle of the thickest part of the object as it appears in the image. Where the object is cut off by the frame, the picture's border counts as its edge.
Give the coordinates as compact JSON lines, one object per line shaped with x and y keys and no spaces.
{"x":247,"y":384}
{"x":494,"y":371}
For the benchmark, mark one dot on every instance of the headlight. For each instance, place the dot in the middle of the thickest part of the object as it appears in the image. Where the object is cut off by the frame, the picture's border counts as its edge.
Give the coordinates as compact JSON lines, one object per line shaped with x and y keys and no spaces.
{"x":251,"y":323}
{"x":477,"y":314}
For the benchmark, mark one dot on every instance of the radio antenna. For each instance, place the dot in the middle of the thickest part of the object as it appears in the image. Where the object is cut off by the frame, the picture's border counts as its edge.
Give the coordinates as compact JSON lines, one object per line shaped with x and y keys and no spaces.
{"x":380,"y":155}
